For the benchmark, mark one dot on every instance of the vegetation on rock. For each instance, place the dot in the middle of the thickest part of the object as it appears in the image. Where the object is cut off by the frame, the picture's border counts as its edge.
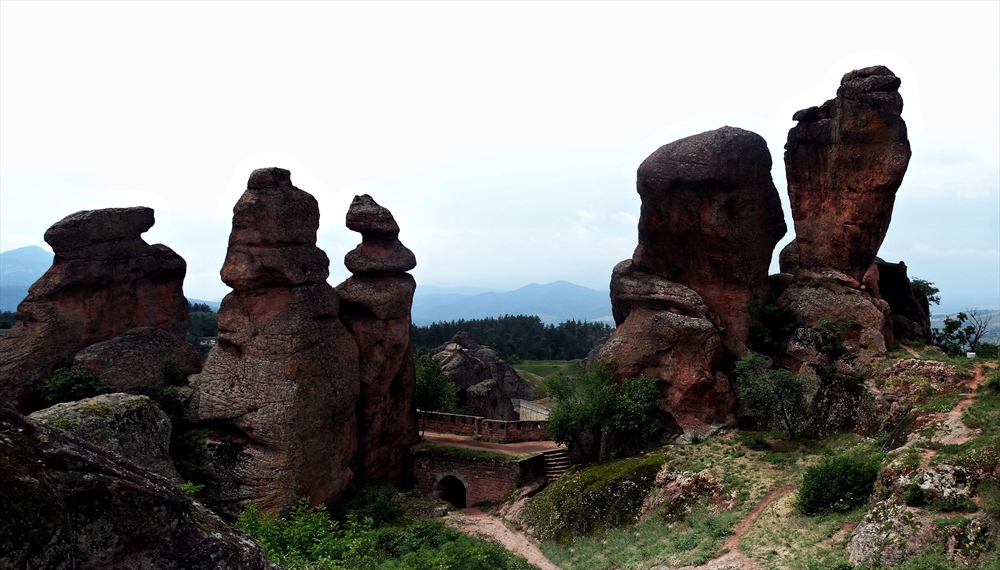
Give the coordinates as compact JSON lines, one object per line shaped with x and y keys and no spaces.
{"x":69,"y":385}
{"x":773,"y":395}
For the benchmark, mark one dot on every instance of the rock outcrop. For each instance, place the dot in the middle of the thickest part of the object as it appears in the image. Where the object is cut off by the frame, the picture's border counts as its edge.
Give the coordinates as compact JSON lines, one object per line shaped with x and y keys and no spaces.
{"x":911,"y":314}
{"x":710,"y":219}
{"x":467,"y":364}
{"x":665,"y":334}
{"x":70,"y":504}
{"x":845,"y":161}
{"x":279,"y":389}
{"x":375,"y":306}
{"x":132,"y":426}
{"x":138,"y":360}
{"x":104,"y":280}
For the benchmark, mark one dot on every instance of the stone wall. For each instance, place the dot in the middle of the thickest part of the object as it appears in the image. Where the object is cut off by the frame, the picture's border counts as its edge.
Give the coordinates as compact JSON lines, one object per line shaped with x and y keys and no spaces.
{"x":500,"y":430}
{"x":484,"y":479}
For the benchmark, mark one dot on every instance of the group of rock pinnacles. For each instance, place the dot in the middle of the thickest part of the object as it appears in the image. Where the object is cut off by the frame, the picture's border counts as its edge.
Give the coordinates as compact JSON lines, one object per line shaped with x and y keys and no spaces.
{"x":312,"y":385}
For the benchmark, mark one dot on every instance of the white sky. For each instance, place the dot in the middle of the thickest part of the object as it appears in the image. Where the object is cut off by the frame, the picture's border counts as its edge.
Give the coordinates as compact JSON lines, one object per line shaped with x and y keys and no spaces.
{"x":503,"y":137}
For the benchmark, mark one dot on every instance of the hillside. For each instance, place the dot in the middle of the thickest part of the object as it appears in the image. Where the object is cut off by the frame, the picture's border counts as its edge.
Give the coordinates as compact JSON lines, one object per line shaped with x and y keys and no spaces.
{"x":553,"y":303}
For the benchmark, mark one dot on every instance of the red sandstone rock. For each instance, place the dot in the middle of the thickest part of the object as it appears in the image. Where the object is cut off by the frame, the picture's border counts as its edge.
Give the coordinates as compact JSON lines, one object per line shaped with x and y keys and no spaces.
{"x":104,"y":280}
{"x":910,"y":314}
{"x":710,"y":219}
{"x":845,"y":161}
{"x":281,"y":386}
{"x":375,"y":306}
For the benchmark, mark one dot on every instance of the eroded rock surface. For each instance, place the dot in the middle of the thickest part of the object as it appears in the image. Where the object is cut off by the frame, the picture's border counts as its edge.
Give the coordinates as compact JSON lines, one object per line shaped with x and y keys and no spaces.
{"x":910,"y":309}
{"x":279,"y":389}
{"x":844,"y":162}
{"x":104,"y":280}
{"x":71,"y":504}
{"x":468,"y":364}
{"x":138,"y":360}
{"x":132,"y":426}
{"x":710,"y":219}
{"x":375,"y":306}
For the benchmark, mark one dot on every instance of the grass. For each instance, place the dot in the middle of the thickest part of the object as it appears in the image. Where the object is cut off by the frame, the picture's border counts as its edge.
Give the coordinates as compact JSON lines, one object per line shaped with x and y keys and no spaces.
{"x":428,"y":447}
{"x":536,"y":371}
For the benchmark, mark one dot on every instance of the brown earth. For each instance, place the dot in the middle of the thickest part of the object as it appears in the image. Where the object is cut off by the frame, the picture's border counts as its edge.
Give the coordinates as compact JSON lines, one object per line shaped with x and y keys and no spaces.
{"x":477,"y":523}
{"x":467,"y":442}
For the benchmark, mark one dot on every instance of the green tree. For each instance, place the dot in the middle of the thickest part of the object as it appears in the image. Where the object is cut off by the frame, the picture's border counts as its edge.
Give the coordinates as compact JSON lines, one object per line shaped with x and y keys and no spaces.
{"x":927,"y":288}
{"x":773,"y":395}
{"x":6,"y":319}
{"x":592,"y":411}
{"x":770,"y":325}
{"x":435,"y":391}
{"x":957,"y":335}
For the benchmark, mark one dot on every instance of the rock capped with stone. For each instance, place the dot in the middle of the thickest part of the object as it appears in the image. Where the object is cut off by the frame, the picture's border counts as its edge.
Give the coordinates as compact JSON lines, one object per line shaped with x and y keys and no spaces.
{"x":132,"y":426}
{"x":710,"y":219}
{"x":104,"y":280}
{"x":70,"y":504}
{"x":844,"y":162}
{"x":375,"y":307}
{"x":279,"y":390}
{"x":470,"y":367}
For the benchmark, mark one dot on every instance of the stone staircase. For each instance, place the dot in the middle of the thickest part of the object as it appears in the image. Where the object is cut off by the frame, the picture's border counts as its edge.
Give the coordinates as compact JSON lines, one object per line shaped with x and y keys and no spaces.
{"x":556,"y":463}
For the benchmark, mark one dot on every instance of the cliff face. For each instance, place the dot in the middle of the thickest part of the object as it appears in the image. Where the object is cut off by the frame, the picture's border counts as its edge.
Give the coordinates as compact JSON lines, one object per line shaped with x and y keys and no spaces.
{"x":104,"y":281}
{"x":280,"y":388}
{"x":375,"y":307}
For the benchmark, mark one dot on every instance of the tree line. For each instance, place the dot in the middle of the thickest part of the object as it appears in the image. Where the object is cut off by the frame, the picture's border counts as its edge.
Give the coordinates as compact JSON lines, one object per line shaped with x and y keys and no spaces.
{"x":523,"y":337}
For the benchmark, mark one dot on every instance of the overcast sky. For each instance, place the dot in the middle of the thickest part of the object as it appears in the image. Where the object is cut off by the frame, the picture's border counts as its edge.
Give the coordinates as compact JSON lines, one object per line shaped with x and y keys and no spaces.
{"x":503,"y":137}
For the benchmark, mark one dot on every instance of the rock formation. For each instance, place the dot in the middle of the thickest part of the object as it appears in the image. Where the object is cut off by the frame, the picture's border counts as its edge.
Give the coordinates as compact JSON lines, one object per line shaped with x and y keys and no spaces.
{"x":845,"y":161}
{"x":104,"y":280}
{"x":279,"y":389}
{"x":132,"y":426}
{"x":469,"y":365}
{"x":135,"y":361}
{"x":375,"y":306}
{"x":911,"y":314}
{"x":70,"y":504}
{"x":710,"y":219}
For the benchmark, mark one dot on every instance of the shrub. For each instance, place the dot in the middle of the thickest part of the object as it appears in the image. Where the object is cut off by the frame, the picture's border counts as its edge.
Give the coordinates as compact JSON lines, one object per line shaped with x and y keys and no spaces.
{"x":755,"y":442}
{"x":773,"y":395}
{"x":914,"y":496}
{"x":435,"y":392}
{"x":838,"y":484}
{"x":67,"y":385}
{"x":770,"y":325}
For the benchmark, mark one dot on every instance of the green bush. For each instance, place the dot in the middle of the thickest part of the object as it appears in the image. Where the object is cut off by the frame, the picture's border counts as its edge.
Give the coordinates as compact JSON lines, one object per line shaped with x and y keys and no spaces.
{"x":914,"y":496}
{"x":838,"y":484}
{"x":755,"y":442}
{"x":310,"y":539}
{"x":769,"y":326}
{"x":435,"y":391}
{"x":67,"y":385}
{"x":773,"y":396}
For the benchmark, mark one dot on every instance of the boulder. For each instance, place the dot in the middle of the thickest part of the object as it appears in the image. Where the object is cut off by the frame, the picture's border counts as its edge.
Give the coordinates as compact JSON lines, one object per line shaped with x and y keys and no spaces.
{"x":375,"y":307}
{"x":710,"y":219}
{"x":488,"y":401}
{"x":665,"y":334}
{"x":467,"y":364}
{"x":889,"y":533}
{"x":132,"y":426}
{"x":844,"y":162}
{"x":910,"y":314}
{"x":280,"y":389}
{"x":104,"y":280}
{"x":71,"y":504}
{"x":138,"y":360}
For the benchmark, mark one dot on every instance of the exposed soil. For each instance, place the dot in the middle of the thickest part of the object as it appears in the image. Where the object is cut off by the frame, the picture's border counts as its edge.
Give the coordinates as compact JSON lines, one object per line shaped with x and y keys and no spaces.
{"x":466,"y":442}
{"x":953,"y":430}
{"x":477,"y":523}
{"x":914,"y":353}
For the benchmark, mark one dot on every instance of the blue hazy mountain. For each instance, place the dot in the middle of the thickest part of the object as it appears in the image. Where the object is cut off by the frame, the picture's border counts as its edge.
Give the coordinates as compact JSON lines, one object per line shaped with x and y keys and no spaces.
{"x":553,"y":303}
{"x":19,"y":268}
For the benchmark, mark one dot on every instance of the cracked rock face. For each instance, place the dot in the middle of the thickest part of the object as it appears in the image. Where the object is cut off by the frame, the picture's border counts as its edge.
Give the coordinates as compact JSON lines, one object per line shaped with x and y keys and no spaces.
{"x":375,"y":307}
{"x":104,"y":280}
{"x":279,"y":389}
{"x":471,"y":367}
{"x":845,"y":161}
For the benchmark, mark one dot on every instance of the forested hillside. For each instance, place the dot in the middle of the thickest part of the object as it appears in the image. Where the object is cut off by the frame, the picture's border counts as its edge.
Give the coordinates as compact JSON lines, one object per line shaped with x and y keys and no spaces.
{"x":523,"y":336}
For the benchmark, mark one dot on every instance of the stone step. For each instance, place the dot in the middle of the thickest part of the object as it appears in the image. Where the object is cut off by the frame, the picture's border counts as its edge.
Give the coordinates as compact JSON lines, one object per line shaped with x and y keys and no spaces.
{"x":556,"y":463}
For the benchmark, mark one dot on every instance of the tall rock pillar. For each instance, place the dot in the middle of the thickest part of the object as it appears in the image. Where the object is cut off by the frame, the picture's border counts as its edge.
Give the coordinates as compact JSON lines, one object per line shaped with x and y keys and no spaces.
{"x":280,"y":389}
{"x":375,"y":305}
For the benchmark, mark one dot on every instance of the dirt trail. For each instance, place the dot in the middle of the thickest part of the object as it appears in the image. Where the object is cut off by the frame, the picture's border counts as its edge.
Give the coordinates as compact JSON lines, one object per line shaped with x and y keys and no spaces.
{"x":914,"y":353}
{"x":953,"y":430}
{"x":475,"y":522}
{"x":466,"y":442}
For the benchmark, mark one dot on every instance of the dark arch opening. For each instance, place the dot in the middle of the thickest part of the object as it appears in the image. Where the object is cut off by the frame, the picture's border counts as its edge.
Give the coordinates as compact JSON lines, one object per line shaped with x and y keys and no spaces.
{"x":453,"y":491}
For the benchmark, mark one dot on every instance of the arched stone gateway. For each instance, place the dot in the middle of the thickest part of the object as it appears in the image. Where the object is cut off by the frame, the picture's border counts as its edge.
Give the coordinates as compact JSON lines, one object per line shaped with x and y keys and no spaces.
{"x":451,"y":489}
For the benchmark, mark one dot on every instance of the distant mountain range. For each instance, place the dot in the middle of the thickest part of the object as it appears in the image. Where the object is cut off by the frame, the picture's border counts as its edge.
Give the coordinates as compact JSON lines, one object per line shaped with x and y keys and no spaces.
{"x":553,"y":303}
{"x":19,"y":268}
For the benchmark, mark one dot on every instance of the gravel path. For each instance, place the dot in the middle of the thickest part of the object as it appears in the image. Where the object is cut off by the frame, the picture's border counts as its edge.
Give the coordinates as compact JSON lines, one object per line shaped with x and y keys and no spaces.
{"x":466,"y":442}
{"x":477,"y":523}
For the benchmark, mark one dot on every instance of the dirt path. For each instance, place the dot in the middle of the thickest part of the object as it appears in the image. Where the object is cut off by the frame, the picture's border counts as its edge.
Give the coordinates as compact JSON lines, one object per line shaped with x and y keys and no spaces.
{"x":477,"y":523}
{"x":466,"y":442}
{"x":953,"y":430}
{"x":914,"y":353}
